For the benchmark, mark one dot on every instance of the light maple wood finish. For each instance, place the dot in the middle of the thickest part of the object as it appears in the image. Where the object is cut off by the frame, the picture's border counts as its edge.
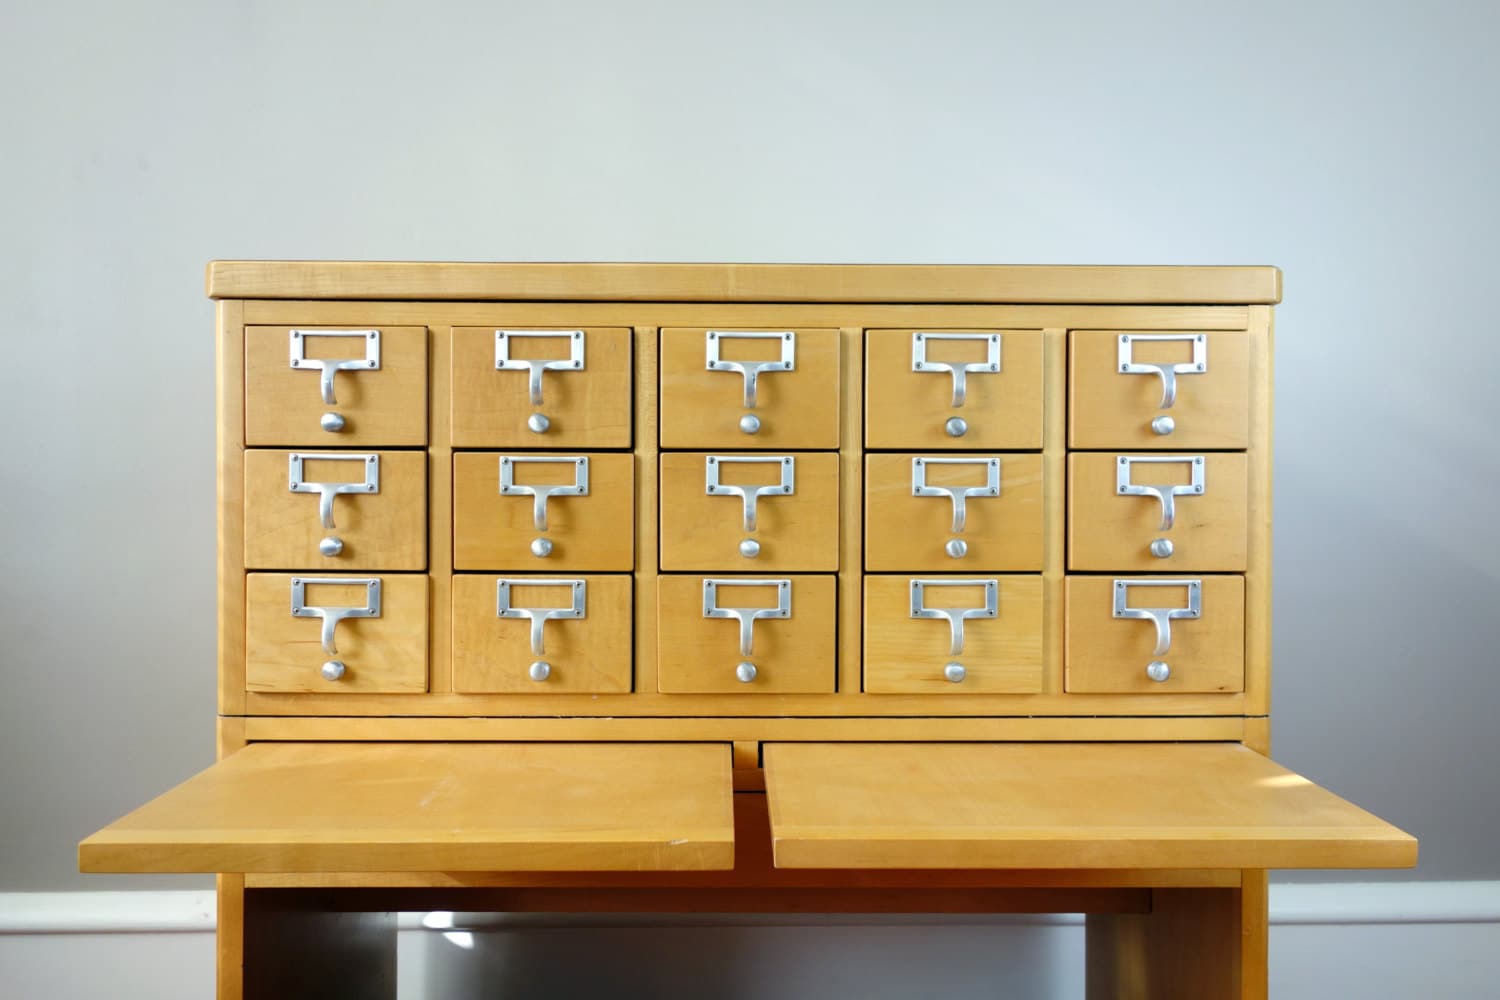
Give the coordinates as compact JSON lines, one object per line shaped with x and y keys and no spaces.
{"x":385,"y":655}
{"x":440,"y":513}
{"x":492,"y":654}
{"x":589,"y":408}
{"x":1190,"y":946}
{"x":905,"y":655}
{"x":1054,"y":506}
{"x":386,"y":407}
{"x":385,"y":530}
{"x":229,"y":895}
{"x":1110,"y":532}
{"x":910,"y":409}
{"x":908,"y":533}
{"x":1111,"y":409}
{"x":1258,"y":598}
{"x":1107,"y":655}
{"x":851,"y":502}
{"x":1061,"y":806}
{"x":798,"y":409}
{"x":229,"y":511}
{"x":796,"y":532}
{"x":698,"y":655}
{"x":647,"y":346}
{"x":589,"y":533}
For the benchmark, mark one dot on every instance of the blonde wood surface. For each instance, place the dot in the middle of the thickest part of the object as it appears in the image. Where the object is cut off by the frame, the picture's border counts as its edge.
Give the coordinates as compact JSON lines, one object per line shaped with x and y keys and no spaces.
{"x":1254,"y":935}
{"x":440,"y":492}
{"x":593,"y":532}
{"x":249,"y":279}
{"x":647,"y":343}
{"x":386,"y":530}
{"x":905,"y":655}
{"x":229,"y":511}
{"x":877,"y":805}
{"x":851,"y":503}
{"x":1258,"y":734}
{"x":492,"y":654}
{"x":796,"y":532}
{"x":1111,"y":532}
{"x":910,"y":409}
{"x":698,"y":655}
{"x":381,"y":655}
{"x":702,"y":408}
{"x":1054,"y":506}
{"x":386,"y":407}
{"x":589,"y":408}
{"x":338,"y":807}
{"x":1105,"y":654}
{"x":1111,"y":409}
{"x":908,"y":533}
{"x":1190,"y":946}
{"x":229,"y":937}
{"x":1258,"y":602}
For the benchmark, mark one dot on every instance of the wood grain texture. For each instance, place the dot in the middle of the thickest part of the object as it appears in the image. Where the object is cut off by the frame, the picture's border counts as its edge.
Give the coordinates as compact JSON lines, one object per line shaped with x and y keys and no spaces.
{"x":589,"y":408}
{"x":1190,"y":946}
{"x":798,"y":532}
{"x":1054,"y":506}
{"x":909,"y":409}
{"x":339,"y":807}
{"x":229,"y":511}
{"x":1061,"y":806}
{"x":382,"y":408}
{"x":1258,"y":598}
{"x":851,"y":515}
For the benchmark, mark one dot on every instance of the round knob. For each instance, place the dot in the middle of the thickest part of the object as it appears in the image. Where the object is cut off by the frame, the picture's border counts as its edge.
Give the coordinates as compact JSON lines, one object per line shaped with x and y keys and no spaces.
{"x":750,"y":423}
{"x":1161,"y":548}
{"x":1158,"y":671}
{"x":538,"y":423}
{"x":332,"y":422}
{"x":331,"y":546}
{"x":957,"y":548}
{"x":333,"y":670}
{"x":745,"y":672}
{"x":749,"y":548}
{"x":956,"y":427}
{"x":955,"y":673}
{"x":541,"y":547}
{"x":540,"y":670}
{"x":1164,"y":425}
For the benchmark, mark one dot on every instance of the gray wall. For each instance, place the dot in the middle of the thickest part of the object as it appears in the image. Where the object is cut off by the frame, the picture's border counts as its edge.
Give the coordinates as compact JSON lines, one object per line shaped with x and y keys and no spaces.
{"x":1353,"y":144}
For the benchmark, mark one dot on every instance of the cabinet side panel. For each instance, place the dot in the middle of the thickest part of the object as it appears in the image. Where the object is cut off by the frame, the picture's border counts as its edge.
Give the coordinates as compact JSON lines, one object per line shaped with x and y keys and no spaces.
{"x":230,"y":421}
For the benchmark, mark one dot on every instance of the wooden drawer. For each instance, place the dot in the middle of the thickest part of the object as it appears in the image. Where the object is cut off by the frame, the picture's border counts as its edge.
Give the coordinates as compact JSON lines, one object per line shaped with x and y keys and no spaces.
{"x":530,"y":634}
{"x":376,"y":394}
{"x":541,"y":387}
{"x":1112,"y":526}
{"x":937,"y":389}
{"x":1115,"y":646}
{"x":911,"y":512}
{"x":380,"y":648}
{"x":495,"y":526}
{"x":336,"y":510}
{"x":705,"y":402}
{"x":748,"y":511}
{"x":953,"y":635}
{"x":703,"y":652}
{"x":1118,"y":394}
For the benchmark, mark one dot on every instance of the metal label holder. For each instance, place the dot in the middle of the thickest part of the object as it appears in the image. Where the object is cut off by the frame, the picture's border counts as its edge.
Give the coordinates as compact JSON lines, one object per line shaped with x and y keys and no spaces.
{"x":751,"y":370}
{"x":750,"y":495}
{"x":327,"y":491}
{"x":747,"y":617}
{"x":959,"y":370}
{"x":573,"y":362}
{"x":959,"y":495}
{"x":1160,"y":617}
{"x":540,"y":494}
{"x":332,"y":616}
{"x":955,"y":616}
{"x":539,"y":617}
{"x":1167,"y":495}
{"x":1168,"y":371}
{"x":331,"y":367}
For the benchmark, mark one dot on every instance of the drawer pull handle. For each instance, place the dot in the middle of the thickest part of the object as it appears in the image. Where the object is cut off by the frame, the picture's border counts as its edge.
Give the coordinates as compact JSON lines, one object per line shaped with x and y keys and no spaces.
{"x":955,"y":616}
{"x":1167,"y":495}
{"x":959,"y":495}
{"x":1168,"y":371}
{"x":574,"y":362}
{"x":539,"y":617}
{"x":750,"y":495}
{"x":747,"y":617}
{"x":331,"y":615}
{"x":370,"y":464}
{"x":541,"y":493}
{"x":330,"y":367}
{"x":1160,"y":617}
{"x":959,"y":370}
{"x":751,"y":370}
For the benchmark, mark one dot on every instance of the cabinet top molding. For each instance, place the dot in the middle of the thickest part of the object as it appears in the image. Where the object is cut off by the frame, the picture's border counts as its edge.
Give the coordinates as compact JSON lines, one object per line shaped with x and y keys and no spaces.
{"x":622,"y":282}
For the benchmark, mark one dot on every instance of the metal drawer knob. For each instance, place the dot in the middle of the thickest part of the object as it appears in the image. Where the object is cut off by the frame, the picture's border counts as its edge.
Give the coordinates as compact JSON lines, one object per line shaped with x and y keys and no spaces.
{"x":745,"y":672}
{"x":1163,"y":425}
{"x":538,"y":423}
{"x":331,"y":422}
{"x":956,"y":427}
{"x":956,"y":548}
{"x":955,"y":673}
{"x":749,"y":548}
{"x":540,"y":670}
{"x":1162,"y":548}
{"x":541,"y":547}
{"x":333,"y":670}
{"x":331,"y":546}
{"x":1158,"y":671}
{"x":750,"y":424}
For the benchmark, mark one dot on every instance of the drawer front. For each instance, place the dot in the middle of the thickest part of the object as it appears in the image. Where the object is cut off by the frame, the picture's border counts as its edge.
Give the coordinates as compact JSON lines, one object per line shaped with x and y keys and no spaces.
{"x":495,"y":530}
{"x":1116,"y":523}
{"x":999,"y":530}
{"x":530,"y":634}
{"x":1115,"y":646}
{"x":939,"y":389}
{"x":541,"y":387}
{"x":1119,"y":393}
{"x":336,"y":510}
{"x":379,"y":647}
{"x":795,"y":407}
{"x":953,"y":635}
{"x":376,"y":394}
{"x":747,"y":512}
{"x":786,"y":654}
